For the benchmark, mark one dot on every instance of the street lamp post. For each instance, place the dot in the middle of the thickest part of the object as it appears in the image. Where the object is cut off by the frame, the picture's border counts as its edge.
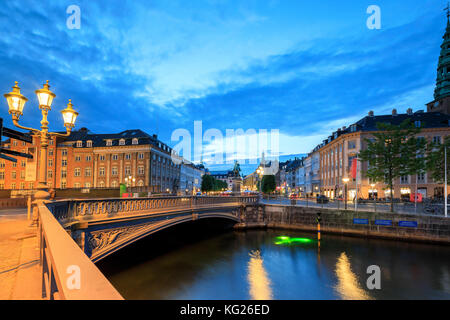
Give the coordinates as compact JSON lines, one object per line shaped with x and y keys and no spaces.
{"x":345,"y":180}
{"x":373,"y":196}
{"x":129,"y":180}
{"x":16,"y":103}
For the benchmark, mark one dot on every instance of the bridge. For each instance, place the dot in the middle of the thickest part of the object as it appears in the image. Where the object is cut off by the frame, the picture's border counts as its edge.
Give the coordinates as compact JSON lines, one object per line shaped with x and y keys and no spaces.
{"x":74,"y":234}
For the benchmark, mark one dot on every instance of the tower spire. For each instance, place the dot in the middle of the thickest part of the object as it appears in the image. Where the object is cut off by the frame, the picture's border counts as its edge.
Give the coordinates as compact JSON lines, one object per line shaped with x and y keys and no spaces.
{"x":443,"y":71}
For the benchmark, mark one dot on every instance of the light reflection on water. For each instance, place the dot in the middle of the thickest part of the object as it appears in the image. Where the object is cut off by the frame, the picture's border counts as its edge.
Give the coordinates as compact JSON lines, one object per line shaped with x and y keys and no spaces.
{"x":258,"y":278}
{"x":348,"y":285}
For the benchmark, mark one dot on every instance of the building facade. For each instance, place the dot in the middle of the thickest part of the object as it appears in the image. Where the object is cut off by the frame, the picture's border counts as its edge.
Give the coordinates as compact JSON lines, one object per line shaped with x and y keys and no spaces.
{"x":85,"y":160}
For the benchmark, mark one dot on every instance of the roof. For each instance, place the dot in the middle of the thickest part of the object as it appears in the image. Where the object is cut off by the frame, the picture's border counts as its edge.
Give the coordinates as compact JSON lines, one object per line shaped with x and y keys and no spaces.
{"x":99,"y":140}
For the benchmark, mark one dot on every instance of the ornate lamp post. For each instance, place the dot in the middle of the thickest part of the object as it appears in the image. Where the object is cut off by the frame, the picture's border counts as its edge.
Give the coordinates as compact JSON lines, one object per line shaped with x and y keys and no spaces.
{"x":129,"y":180}
{"x":16,"y":103}
{"x":260,"y":172}
{"x":345,"y":180}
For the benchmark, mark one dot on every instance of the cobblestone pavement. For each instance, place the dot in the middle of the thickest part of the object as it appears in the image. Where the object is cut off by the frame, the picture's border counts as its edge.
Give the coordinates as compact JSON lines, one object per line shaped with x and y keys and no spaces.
{"x":18,"y":256}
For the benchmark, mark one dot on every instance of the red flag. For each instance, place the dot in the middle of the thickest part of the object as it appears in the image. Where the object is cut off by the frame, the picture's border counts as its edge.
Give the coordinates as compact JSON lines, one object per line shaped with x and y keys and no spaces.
{"x":354,"y":167}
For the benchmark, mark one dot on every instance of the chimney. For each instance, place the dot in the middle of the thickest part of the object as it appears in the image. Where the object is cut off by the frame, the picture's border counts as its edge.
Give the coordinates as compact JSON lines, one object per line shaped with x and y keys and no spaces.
{"x":370,"y":113}
{"x":394,"y":112}
{"x":409,"y":111}
{"x":155,"y":136}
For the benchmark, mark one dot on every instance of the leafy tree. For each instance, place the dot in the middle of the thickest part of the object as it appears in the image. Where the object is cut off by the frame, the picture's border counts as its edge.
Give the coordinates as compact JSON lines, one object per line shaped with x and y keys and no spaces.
{"x":435,"y":160}
{"x":392,"y":153}
{"x":268,"y":184}
{"x":207,"y":183}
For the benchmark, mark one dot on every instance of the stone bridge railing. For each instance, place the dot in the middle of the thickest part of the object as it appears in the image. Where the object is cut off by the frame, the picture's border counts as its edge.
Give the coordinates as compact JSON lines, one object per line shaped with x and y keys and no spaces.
{"x":68,"y":211}
{"x":67,"y":273}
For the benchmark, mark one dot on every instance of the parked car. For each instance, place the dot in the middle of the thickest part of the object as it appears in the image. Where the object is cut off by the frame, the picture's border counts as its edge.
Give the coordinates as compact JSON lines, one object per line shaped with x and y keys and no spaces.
{"x":322,"y":199}
{"x":293,"y":196}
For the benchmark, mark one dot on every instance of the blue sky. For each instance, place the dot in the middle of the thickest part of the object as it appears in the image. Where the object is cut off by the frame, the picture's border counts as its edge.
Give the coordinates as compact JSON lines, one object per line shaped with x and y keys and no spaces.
{"x":303,"y":67}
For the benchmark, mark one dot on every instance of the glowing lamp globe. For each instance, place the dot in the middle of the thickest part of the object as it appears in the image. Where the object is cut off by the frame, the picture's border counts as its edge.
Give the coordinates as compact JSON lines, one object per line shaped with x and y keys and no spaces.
{"x":45,"y":97}
{"x":69,"y":115}
{"x":16,"y":101}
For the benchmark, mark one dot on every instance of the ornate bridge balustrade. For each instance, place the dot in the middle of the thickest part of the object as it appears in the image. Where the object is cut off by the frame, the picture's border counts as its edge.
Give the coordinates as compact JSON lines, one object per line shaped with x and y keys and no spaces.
{"x":103,"y":226}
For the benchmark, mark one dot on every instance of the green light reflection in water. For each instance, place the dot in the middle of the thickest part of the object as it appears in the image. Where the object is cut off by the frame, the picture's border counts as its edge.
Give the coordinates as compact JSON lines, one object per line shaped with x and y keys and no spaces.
{"x":285,"y":240}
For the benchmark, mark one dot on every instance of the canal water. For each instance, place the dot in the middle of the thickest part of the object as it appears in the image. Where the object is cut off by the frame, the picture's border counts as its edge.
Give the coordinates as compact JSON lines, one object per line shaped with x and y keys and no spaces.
{"x":188,"y":263}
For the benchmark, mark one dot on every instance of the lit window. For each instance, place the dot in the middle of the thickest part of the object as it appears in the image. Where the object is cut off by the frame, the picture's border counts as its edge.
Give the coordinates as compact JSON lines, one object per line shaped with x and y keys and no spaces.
{"x":134,"y":141}
{"x":63,"y":185}
{"x":79,"y":144}
{"x":114,"y":171}
{"x":108,"y":143}
{"x":87,"y":172}
{"x":101,"y":171}
{"x":89,"y":144}
{"x":77,"y":172}
{"x":121,"y":142}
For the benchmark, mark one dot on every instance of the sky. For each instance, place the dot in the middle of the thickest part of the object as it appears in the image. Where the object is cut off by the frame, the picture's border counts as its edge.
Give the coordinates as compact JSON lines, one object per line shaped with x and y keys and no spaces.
{"x":304,"y":68}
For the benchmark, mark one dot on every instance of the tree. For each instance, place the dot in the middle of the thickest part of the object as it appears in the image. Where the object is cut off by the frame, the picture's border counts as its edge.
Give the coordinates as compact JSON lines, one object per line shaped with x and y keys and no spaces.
{"x":268,"y":184}
{"x":392,"y":153}
{"x":207,"y":183}
{"x":435,"y":160}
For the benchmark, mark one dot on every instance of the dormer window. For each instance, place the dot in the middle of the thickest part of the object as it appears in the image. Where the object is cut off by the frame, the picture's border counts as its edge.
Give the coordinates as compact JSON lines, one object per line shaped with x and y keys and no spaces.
{"x":134,"y":141}
{"x":353,"y":128}
{"x":108,"y":143}
{"x":121,"y":142}
{"x":89,"y":144}
{"x":417,"y":124}
{"x":79,"y":144}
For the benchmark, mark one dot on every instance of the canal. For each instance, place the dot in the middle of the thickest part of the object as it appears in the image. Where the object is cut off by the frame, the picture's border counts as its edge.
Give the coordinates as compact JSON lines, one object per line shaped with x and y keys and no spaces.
{"x":186,"y":262}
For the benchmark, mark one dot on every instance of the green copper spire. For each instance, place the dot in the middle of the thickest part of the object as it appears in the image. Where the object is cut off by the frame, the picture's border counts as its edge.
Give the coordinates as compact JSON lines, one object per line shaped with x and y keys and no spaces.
{"x":443,"y":72}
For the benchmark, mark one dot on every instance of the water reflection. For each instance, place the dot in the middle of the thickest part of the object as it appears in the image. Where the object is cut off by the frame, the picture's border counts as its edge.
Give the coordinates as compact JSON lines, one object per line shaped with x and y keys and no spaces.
{"x":260,"y":286}
{"x":348,"y":286}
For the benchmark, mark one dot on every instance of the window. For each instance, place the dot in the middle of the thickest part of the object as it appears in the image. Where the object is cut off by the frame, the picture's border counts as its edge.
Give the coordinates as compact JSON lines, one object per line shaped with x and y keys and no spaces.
{"x":140,"y":156}
{"x":64,"y":163}
{"x":77,"y":172}
{"x":89,"y":144}
{"x":13,"y":185}
{"x":23,"y":163}
{"x":127,"y":170}
{"x":14,"y":164}
{"x":140,"y":183}
{"x":63,"y":185}
{"x":353,"y":128}
{"x":141,"y":170}
{"x":121,"y":142}
{"x":22,"y":174}
{"x":404,"y":179}
{"x":101,"y":171}
{"x":87,"y":172}
{"x":437,"y":140}
{"x":2,"y":186}
{"x":88,"y":158}
{"x":13,"y":174}
{"x":22,"y":185}
{"x":115,"y":157}
{"x":14,"y":143}
{"x":2,"y":164}
{"x":417,"y":123}
{"x":128,"y":156}
{"x":50,"y":163}
{"x":102,"y":158}
{"x":114,"y":171}
{"x":64,"y":152}
{"x":421,"y":177}
{"x":2,"y":175}
{"x":30,"y":185}
{"x":108,"y":143}
{"x":77,"y":158}
{"x":352,"y":144}
{"x":50,"y":152}
{"x":77,"y":185}
{"x":134,"y":141}
{"x":50,"y":142}
{"x":87,"y":185}
{"x":79,"y":144}
{"x":102,"y":184}
{"x":114,"y":184}
{"x":63,"y":174}
{"x":50,"y":174}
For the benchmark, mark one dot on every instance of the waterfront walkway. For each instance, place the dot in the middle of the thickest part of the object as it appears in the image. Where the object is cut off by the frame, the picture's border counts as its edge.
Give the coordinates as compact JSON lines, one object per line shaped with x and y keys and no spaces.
{"x":19,"y":257}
